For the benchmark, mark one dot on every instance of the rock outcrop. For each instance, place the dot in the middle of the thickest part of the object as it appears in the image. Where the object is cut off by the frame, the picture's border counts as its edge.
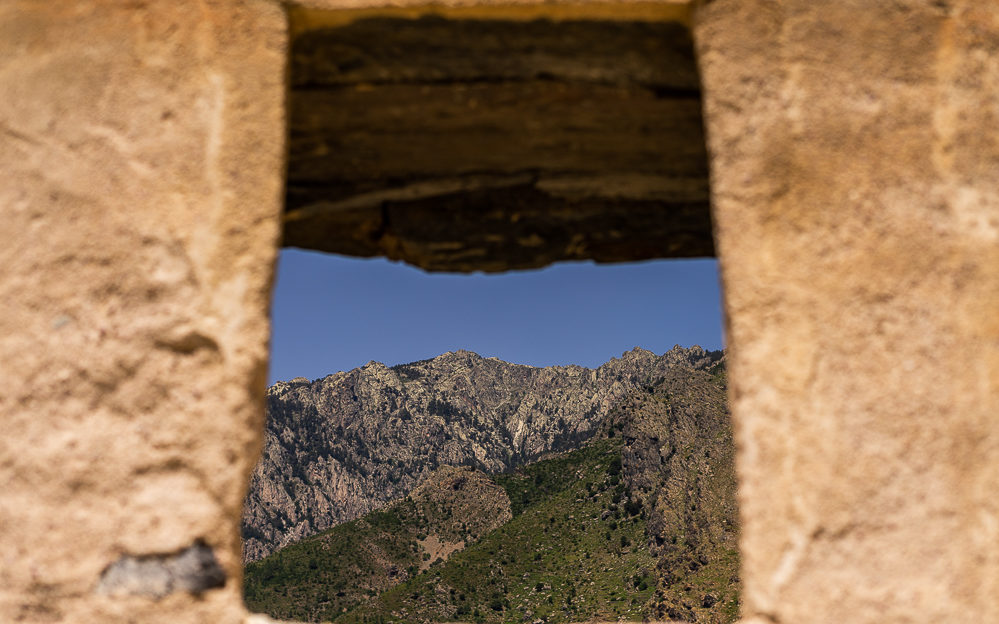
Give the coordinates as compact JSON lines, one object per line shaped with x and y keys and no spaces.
{"x":341,"y":446}
{"x":678,"y":462}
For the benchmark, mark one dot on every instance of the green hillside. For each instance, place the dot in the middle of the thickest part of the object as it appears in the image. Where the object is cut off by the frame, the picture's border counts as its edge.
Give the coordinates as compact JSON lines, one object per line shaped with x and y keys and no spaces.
{"x":325,"y":575}
{"x":315,"y":579}
{"x":575,"y":550}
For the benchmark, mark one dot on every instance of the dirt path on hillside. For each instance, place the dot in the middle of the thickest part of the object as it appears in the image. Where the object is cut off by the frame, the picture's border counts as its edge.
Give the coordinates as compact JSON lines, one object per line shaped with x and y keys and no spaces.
{"x":437,"y":549}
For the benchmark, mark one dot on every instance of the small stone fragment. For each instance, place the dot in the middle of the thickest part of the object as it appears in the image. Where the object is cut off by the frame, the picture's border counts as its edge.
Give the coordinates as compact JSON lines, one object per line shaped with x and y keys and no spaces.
{"x":194,"y":569}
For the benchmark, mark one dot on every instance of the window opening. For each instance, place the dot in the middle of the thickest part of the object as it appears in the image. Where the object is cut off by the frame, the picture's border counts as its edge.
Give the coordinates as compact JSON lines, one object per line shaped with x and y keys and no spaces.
{"x":499,"y":535}
{"x":470,"y":142}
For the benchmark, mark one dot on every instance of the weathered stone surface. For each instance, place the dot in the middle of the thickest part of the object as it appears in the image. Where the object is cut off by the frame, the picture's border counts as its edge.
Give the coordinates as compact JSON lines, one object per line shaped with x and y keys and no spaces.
{"x":435,"y":49}
{"x":853,"y":183}
{"x":141,"y":146}
{"x":491,"y":145}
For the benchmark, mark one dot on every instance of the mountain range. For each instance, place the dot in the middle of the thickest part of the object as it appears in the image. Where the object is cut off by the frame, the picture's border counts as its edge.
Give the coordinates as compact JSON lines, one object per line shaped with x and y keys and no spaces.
{"x":339,"y":447}
{"x":623,"y":510}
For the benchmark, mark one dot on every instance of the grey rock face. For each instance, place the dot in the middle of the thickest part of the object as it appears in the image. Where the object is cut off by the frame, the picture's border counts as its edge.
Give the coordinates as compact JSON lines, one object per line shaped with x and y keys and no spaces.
{"x":339,"y":447}
{"x":678,"y":460}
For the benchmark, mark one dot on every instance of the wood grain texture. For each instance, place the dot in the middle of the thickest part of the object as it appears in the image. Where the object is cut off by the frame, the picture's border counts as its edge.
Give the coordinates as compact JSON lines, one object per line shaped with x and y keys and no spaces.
{"x":495,"y":145}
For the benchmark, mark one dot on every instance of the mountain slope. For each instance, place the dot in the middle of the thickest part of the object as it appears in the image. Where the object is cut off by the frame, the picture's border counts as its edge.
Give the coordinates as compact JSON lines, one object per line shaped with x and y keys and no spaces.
{"x":566,"y":557}
{"x":679,"y":463}
{"x":638,"y":523}
{"x":341,"y":446}
{"x":324,"y":575}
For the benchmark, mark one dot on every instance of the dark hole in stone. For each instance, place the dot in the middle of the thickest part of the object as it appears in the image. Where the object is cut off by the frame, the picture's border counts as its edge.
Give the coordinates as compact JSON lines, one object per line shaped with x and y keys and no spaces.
{"x":194,"y":570}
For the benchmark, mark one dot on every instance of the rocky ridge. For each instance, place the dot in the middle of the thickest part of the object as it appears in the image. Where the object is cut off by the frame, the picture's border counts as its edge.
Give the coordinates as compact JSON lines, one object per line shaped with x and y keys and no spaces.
{"x":341,"y":446}
{"x":678,"y":462}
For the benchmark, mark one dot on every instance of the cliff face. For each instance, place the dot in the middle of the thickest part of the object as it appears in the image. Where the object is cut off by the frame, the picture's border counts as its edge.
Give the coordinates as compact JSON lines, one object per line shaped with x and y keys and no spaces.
{"x":678,"y":461}
{"x":339,"y":447}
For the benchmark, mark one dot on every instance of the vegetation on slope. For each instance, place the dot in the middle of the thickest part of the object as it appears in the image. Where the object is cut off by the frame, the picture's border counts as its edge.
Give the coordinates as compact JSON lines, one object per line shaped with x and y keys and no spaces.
{"x":679,"y":461}
{"x":575,"y":551}
{"x":639,"y":523}
{"x":320,"y":576}
{"x":327,"y":574}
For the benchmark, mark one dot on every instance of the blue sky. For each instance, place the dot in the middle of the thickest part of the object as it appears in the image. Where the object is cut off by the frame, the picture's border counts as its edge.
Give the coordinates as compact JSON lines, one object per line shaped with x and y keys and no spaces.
{"x":333,"y":313}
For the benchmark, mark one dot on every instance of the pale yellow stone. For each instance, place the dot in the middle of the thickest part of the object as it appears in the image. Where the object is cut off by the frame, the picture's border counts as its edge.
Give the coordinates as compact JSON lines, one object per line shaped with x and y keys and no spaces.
{"x":853,"y":185}
{"x":141,"y":146}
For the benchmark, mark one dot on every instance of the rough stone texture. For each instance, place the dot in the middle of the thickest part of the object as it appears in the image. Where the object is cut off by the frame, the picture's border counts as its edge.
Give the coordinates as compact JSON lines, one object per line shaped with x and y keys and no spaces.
{"x":141,"y":148}
{"x":497,"y":144}
{"x":854,"y":168}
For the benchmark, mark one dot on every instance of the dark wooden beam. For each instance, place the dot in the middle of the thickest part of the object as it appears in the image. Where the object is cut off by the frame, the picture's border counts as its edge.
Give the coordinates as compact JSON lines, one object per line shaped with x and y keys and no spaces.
{"x":462,"y":145}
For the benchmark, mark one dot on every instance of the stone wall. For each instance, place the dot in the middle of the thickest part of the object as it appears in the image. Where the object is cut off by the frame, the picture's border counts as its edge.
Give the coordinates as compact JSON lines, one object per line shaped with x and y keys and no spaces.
{"x":854,"y":174}
{"x":853,"y":166}
{"x":141,"y":146}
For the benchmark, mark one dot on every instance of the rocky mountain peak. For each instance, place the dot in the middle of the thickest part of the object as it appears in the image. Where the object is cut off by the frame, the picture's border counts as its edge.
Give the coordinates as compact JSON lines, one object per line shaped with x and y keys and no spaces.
{"x":461,"y":355}
{"x":638,"y":353}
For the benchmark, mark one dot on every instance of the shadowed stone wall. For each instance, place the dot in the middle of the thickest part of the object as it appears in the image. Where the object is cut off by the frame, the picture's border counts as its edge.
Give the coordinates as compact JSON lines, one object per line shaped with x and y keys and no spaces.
{"x":496,"y":144}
